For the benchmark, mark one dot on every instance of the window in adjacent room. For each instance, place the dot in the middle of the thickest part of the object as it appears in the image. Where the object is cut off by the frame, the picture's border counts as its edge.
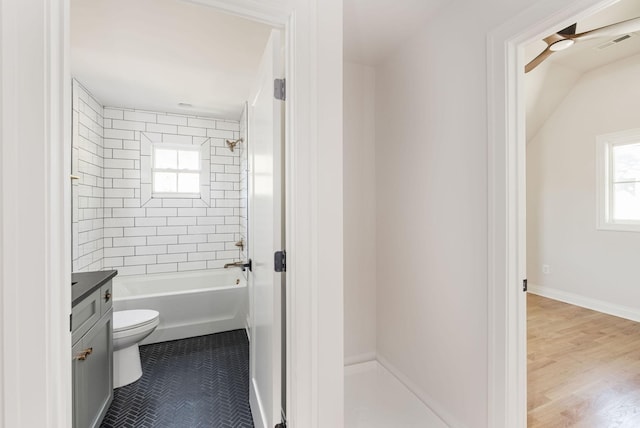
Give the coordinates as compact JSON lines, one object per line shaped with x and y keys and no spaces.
{"x":176,"y":170}
{"x":618,"y":162}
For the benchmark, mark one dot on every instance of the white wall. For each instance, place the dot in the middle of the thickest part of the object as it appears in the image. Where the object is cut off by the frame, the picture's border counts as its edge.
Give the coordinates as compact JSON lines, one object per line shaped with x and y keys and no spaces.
{"x":561,"y":193}
{"x":359,"y":213}
{"x":35,"y":275}
{"x":431,"y":183}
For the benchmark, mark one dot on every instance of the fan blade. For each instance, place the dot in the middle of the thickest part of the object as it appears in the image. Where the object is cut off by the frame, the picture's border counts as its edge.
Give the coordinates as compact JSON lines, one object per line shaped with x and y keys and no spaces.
{"x":624,"y":27}
{"x":571,"y":29}
{"x":538,"y":60}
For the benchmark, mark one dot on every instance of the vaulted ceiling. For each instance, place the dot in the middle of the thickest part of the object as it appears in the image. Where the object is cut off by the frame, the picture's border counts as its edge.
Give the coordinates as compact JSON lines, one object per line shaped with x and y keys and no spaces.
{"x":548,"y":84}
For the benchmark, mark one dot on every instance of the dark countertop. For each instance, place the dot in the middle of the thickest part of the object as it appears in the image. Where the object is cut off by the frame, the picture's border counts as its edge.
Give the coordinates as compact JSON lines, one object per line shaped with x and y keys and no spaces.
{"x":87,"y":283}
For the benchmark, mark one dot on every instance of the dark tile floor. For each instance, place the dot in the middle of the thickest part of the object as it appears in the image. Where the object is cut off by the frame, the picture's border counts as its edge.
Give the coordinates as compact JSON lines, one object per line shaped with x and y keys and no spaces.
{"x":190,"y":383}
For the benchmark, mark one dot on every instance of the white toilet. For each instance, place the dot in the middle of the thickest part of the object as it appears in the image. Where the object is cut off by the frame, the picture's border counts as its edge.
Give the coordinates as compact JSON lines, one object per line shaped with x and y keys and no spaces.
{"x":129,"y":329}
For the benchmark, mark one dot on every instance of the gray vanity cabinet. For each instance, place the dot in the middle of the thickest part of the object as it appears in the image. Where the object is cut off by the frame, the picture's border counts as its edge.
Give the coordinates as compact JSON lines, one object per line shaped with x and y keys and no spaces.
{"x":92,"y":353}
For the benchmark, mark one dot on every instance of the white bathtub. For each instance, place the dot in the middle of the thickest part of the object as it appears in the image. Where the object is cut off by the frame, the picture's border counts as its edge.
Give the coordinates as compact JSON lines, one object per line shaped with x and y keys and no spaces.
{"x":190,"y":303}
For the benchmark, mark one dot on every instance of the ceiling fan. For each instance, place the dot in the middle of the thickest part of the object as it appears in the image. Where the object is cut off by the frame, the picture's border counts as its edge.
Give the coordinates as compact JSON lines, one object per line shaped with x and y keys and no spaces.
{"x":566,"y":37}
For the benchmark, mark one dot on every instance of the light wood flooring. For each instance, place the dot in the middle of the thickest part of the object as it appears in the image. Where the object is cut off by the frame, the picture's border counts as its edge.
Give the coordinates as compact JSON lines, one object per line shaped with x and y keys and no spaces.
{"x":583,"y":367}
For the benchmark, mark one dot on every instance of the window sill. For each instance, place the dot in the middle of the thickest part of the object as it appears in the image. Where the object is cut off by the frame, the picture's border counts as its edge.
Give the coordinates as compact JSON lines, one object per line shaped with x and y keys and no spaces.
{"x":175,"y":195}
{"x":619,"y":227}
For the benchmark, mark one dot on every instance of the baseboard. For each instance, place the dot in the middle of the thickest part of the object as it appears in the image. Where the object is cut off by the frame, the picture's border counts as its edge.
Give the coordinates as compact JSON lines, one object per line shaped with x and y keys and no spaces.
{"x":357,"y":368}
{"x":426,"y":399}
{"x":621,"y":311}
{"x":257,"y":411}
{"x":361,"y":358}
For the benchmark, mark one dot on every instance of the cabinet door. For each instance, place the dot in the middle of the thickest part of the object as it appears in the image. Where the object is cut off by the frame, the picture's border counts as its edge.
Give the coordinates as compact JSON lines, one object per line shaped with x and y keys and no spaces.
{"x":93,"y":374}
{"x":80,"y":418}
{"x":99,"y":369}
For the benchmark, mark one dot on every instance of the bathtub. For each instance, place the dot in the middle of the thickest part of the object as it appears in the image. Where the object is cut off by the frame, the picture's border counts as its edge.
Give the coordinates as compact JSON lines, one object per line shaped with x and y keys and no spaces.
{"x":190,"y":303}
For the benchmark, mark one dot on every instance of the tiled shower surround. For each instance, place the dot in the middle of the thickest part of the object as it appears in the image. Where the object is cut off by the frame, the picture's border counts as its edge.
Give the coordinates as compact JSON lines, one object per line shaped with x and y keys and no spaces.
{"x":119,"y":224}
{"x":88,"y":190}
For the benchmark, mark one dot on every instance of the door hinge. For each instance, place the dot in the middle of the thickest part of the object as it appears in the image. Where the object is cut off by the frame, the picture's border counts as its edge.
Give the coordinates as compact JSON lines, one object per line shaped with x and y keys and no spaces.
{"x":70,"y":322}
{"x":280,"y":261}
{"x":524,"y":285}
{"x":280,"y":89}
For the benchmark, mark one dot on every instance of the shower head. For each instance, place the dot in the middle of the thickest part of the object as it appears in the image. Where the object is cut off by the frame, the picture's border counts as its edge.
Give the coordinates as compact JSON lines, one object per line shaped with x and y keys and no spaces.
{"x":233,"y":143}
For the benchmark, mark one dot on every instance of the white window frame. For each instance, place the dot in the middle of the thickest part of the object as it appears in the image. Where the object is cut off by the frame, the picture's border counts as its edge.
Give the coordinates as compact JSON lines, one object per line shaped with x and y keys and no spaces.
{"x":604,"y":180}
{"x":176,"y":147}
{"x":150,"y":199}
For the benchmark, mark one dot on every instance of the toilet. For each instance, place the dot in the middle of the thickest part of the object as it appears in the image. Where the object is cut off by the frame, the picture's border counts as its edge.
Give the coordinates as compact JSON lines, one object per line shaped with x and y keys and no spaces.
{"x":129,"y":329}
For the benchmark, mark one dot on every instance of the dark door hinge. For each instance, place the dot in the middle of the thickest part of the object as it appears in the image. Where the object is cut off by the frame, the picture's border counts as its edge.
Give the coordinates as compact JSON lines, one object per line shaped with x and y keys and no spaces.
{"x":280,"y":89}
{"x":70,"y":322}
{"x":280,"y":261}
{"x":524,"y":285}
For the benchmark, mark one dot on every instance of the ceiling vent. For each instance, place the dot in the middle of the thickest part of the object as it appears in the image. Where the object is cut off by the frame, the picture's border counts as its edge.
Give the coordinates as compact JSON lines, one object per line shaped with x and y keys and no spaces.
{"x":613,"y":42}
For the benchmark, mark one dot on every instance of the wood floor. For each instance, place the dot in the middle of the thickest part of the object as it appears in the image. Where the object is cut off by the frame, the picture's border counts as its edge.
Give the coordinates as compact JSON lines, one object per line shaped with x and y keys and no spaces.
{"x":583,"y":367}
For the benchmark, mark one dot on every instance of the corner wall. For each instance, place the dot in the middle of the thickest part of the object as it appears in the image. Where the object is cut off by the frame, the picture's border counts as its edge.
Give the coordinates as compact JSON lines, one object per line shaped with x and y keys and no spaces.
{"x":432,"y":210}
{"x":589,"y":267}
{"x":359,"y":214}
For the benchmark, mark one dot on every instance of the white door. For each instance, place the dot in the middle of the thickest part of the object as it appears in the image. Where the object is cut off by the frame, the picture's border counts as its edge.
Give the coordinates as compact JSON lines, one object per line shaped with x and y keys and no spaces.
{"x":265,"y":219}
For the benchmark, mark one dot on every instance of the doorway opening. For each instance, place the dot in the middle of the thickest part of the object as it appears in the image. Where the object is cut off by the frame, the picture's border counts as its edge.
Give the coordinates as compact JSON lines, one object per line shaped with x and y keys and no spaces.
{"x":178,"y":150}
{"x":507,"y":196}
{"x":578,"y":353}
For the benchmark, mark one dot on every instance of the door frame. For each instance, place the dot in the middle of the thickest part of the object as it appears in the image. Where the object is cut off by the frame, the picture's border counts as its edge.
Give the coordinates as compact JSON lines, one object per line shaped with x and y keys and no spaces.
{"x":507,"y":347}
{"x":34,"y":292}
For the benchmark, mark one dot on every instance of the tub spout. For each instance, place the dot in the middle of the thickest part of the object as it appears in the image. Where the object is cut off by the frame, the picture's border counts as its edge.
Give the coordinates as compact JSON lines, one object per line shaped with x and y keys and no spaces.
{"x":241,"y":265}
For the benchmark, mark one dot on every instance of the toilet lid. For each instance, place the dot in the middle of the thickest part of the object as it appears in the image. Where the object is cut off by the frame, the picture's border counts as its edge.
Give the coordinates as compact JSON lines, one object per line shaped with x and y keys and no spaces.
{"x":124,"y":320}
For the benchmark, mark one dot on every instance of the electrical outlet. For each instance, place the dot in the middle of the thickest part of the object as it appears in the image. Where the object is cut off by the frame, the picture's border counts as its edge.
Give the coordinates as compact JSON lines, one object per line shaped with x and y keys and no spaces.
{"x":546,"y":269}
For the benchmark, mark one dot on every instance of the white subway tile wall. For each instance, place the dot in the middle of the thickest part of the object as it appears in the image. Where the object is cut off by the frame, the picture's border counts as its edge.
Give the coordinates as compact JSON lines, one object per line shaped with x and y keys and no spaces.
{"x":87,"y":164}
{"x":139,"y":235}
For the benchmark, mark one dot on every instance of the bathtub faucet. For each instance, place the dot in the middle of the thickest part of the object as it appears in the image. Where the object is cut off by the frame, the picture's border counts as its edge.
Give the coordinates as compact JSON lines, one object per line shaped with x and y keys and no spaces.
{"x":241,"y":265}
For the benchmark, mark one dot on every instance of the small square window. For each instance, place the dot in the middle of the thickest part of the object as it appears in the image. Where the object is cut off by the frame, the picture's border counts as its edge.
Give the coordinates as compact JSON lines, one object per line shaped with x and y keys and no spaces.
{"x":176,"y":170}
{"x":165,"y":158}
{"x":188,"y":182}
{"x":165,"y":182}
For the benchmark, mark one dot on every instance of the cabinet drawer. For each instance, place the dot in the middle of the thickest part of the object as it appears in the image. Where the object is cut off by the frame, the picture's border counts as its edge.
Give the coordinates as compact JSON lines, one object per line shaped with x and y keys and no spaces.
{"x":84,"y":315}
{"x":106,"y":297}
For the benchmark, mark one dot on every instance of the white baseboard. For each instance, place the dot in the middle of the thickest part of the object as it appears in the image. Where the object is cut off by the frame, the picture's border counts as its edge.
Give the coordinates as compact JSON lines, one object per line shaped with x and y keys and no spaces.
{"x":257,"y":411}
{"x":357,"y":368}
{"x":361,"y":358}
{"x":426,"y":399}
{"x":621,"y":311}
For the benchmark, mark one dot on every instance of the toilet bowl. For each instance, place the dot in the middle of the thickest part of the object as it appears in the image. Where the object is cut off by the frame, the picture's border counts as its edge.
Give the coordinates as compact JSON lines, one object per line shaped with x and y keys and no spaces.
{"x":129,"y":329}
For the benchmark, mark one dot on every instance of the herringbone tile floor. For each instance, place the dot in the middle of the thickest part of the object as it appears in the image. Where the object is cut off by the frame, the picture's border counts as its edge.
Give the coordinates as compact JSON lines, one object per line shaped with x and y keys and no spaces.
{"x":190,"y":383}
